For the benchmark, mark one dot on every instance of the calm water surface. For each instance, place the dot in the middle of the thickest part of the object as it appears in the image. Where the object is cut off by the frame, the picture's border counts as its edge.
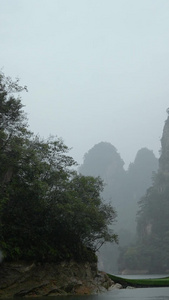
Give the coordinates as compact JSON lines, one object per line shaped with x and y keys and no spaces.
{"x":137,"y":294}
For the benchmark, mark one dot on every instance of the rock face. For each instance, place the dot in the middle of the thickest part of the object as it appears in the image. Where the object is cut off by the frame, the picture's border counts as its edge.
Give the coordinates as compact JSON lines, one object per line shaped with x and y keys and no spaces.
{"x":51,"y":279}
{"x":164,"y":158}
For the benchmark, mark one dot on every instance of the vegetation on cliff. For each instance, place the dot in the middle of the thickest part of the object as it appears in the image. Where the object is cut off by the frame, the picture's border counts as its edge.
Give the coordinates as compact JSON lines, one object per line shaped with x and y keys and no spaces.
{"x":150,"y":252}
{"x":123,"y":188}
{"x":47,"y":211}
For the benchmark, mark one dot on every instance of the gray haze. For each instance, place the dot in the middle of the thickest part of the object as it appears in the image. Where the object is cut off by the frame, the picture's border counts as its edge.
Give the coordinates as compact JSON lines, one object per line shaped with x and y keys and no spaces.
{"x":95,"y":70}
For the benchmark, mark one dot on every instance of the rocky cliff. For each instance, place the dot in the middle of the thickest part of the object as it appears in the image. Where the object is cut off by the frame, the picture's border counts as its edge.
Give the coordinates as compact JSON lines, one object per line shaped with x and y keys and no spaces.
{"x":51,"y":279}
{"x":164,"y":157}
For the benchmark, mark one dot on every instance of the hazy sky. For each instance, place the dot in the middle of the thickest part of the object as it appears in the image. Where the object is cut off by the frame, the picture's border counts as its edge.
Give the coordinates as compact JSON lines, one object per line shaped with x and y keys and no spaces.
{"x":96,"y":70}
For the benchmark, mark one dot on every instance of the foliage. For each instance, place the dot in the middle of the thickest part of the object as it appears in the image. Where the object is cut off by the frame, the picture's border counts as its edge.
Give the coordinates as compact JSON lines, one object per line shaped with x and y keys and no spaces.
{"x":47,"y":211}
{"x":151,"y":248}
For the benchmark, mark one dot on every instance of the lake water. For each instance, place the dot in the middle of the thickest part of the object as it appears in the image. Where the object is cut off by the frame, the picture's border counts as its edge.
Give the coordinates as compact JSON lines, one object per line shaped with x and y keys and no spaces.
{"x":125,"y":294}
{"x":137,"y":294}
{"x":129,"y":294}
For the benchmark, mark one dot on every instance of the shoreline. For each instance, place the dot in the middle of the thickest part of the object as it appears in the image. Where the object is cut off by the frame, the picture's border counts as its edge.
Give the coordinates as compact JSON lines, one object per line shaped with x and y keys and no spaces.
{"x":19,"y":279}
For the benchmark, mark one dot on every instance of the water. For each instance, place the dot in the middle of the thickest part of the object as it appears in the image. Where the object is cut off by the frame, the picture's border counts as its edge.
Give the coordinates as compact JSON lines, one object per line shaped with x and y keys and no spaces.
{"x":134,"y":294}
{"x":137,"y":294}
{"x":125,"y":294}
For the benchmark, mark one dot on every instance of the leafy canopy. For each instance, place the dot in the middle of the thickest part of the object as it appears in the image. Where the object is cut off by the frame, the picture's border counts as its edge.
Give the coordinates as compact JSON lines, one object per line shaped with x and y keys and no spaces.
{"x":47,"y":211}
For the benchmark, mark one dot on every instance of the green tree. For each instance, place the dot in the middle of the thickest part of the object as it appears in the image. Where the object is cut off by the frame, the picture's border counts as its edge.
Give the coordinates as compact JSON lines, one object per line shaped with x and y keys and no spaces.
{"x":47,"y":211}
{"x":13,"y":127}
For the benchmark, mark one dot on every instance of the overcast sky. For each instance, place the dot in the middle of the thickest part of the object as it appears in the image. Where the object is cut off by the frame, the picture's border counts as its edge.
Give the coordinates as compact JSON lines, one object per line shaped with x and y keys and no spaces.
{"x":96,"y":70}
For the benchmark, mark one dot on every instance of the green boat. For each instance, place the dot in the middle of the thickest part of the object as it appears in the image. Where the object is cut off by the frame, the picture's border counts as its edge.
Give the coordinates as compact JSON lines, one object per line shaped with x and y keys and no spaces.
{"x":149,"y":282}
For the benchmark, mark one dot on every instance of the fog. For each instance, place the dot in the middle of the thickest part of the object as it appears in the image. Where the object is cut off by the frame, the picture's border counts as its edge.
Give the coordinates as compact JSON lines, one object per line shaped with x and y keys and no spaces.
{"x":95,"y":70}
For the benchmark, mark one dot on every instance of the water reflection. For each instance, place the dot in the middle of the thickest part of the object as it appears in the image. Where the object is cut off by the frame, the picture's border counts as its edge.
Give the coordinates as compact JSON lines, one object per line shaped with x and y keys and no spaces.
{"x":124,"y":294}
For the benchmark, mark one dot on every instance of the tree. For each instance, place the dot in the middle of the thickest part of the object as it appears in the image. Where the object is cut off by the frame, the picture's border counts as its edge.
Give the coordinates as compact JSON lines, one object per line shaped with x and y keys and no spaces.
{"x":42,"y":198}
{"x":13,"y":126}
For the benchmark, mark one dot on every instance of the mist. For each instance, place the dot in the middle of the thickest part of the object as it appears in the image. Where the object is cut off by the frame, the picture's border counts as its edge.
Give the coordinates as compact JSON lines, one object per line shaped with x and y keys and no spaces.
{"x":95,"y":71}
{"x":123,"y":189}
